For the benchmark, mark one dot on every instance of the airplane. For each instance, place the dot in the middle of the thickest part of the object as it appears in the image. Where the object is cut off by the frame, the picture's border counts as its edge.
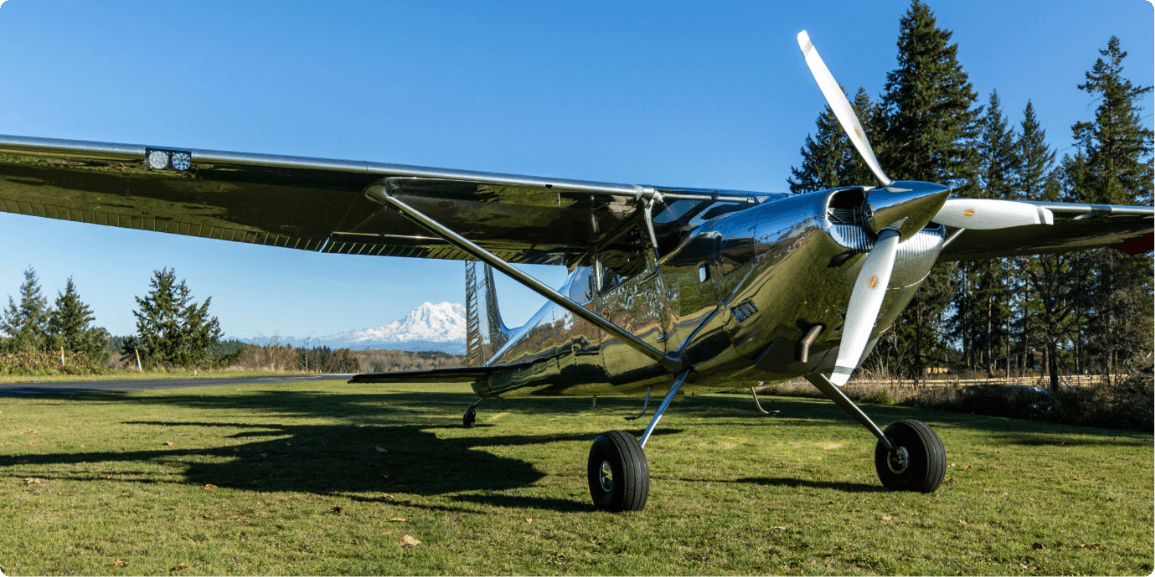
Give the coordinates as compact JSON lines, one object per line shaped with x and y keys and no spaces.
{"x":670,"y":288}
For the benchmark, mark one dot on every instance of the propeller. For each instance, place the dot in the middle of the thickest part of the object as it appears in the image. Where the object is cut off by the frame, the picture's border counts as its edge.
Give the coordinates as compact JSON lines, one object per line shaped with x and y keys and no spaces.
{"x":894,"y":213}
{"x":841,"y":107}
{"x":865,"y":300}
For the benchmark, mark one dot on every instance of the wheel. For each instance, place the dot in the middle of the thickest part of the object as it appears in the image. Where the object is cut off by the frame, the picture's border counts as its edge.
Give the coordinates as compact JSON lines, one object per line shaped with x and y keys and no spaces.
{"x":469,"y":418}
{"x":920,"y":462}
{"x":618,"y":474}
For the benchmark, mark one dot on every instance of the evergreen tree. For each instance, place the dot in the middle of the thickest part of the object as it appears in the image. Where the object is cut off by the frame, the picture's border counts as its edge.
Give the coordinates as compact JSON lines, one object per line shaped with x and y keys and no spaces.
{"x":928,"y":99}
{"x":1118,"y":170}
{"x":1050,"y":282}
{"x":69,"y":327}
{"x":174,"y":330}
{"x":930,"y":128}
{"x":980,"y":320}
{"x":1117,"y":145}
{"x":26,"y":323}
{"x":1034,"y":178}
{"x":829,"y":160}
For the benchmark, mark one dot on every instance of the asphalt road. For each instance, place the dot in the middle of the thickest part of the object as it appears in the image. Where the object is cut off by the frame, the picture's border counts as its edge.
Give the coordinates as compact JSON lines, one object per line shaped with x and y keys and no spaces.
{"x":24,"y":389}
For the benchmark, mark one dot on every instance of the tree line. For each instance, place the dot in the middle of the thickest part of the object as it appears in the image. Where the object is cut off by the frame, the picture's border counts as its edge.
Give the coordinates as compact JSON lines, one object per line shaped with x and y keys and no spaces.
{"x":1067,"y":313}
{"x":173,"y":330}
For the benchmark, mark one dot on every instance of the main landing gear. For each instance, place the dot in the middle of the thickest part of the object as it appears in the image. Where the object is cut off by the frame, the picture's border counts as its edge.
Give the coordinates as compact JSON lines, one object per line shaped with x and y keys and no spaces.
{"x":616,"y":469}
{"x":909,"y":455}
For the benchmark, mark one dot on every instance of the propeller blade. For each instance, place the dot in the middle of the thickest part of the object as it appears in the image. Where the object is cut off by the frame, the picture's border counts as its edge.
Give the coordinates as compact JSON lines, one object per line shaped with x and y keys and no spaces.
{"x":865,"y":302}
{"x":988,"y":214}
{"x":841,"y":106}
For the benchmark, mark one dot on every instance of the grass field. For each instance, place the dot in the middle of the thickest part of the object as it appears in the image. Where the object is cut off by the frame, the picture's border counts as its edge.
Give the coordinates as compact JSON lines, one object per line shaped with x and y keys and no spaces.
{"x":324,"y":478}
{"x":125,"y":375}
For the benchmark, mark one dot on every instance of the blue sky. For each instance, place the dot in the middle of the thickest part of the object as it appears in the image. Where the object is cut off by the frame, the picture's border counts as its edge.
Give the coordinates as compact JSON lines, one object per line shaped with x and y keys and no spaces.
{"x":711,"y":94}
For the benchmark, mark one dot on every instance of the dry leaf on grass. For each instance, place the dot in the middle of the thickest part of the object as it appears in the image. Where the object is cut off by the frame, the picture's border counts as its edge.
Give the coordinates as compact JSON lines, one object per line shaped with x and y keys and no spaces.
{"x":120,"y":563}
{"x":168,"y":443}
{"x":887,"y":518}
{"x":401,"y":519}
{"x":969,"y":467}
{"x":211,"y":486}
{"x":179,"y":566}
{"x":961,"y":522}
{"x":28,"y":432}
{"x":31,"y":481}
{"x":409,"y":542}
{"x":528,"y":520}
{"x":780,"y":527}
{"x":381,"y":450}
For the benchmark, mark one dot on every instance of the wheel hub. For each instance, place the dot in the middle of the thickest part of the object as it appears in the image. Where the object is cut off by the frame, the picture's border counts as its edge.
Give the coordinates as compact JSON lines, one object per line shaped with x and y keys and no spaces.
{"x":606,"y":477}
{"x":898,"y":460}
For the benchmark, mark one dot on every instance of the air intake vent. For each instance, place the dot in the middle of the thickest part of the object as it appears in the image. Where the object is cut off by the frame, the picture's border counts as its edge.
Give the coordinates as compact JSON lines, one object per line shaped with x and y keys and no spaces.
{"x":844,"y":215}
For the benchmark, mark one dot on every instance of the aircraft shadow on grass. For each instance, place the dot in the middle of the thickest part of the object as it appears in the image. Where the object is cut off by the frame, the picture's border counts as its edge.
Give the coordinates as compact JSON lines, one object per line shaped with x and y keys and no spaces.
{"x":370,"y":452}
{"x":388,"y":441}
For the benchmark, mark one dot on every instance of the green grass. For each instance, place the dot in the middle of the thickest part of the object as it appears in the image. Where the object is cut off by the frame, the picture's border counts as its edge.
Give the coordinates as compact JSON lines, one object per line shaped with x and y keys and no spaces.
{"x":133,"y":375}
{"x":297,"y":485}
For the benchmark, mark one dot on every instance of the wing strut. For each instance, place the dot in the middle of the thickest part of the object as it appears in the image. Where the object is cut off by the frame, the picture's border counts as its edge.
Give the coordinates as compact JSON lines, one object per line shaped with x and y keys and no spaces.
{"x":380,"y":193}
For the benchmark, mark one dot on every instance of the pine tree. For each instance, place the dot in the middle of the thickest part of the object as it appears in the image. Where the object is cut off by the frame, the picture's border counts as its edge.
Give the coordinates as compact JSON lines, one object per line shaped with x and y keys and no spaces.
{"x":25,"y":324}
{"x":930,"y":127}
{"x":1118,"y":170}
{"x":981,"y":311}
{"x":173,"y":330}
{"x":69,"y":327}
{"x":928,"y":101}
{"x":1050,"y":282}
{"x":829,"y":160}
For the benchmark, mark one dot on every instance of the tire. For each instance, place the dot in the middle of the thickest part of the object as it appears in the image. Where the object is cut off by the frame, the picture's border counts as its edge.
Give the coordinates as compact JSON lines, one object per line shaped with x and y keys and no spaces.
{"x":925,"y":463}
{"x":628,"y":483}
{"x":469,"y":419}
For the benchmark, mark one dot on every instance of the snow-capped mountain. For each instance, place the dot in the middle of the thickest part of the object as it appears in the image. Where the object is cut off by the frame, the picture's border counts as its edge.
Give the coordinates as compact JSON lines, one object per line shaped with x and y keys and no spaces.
{"x":440,"y":323}
{"x":429,"y":327}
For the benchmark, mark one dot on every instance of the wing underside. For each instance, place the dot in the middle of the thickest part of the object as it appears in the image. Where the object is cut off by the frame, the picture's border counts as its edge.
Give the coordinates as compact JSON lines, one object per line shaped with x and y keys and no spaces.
{"x":319,"y":204}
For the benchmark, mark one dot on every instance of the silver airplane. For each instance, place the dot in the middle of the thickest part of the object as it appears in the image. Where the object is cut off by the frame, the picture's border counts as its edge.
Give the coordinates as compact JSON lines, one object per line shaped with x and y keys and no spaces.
{"x":670,"y":288}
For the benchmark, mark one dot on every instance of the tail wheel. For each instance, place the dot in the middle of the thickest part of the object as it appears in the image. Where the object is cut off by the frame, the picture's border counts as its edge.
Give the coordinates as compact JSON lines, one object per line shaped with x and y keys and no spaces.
{"x":917,"y":464}
{"x":618,"y":474}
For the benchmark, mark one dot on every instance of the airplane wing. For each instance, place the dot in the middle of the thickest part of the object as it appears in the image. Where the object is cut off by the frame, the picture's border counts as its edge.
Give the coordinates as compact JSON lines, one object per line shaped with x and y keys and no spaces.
{"x":320,"y":205}
{"x":1075,"y":227}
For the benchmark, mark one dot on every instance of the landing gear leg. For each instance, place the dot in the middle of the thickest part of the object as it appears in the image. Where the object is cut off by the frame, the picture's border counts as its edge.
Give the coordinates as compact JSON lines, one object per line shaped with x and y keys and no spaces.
{"x":469,"y":419}
{"x":909,"y":455}
{"x":617,"y":470}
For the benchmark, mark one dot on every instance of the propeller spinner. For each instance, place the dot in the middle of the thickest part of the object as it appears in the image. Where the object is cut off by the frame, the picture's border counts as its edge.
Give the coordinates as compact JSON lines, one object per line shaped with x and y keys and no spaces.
{"x":894,"y":213}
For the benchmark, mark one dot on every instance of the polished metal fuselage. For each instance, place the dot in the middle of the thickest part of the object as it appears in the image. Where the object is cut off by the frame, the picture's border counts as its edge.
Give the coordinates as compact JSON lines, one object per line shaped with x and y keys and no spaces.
{"x":732,"y":299}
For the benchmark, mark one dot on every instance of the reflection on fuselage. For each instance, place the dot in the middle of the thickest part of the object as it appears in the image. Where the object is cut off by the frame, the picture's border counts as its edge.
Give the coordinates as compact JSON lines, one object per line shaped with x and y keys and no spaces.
{"x":773,"y":271}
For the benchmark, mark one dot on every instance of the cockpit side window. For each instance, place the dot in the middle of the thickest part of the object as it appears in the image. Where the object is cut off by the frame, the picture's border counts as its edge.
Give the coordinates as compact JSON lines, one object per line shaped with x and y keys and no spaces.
{"x":614,"y":267}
